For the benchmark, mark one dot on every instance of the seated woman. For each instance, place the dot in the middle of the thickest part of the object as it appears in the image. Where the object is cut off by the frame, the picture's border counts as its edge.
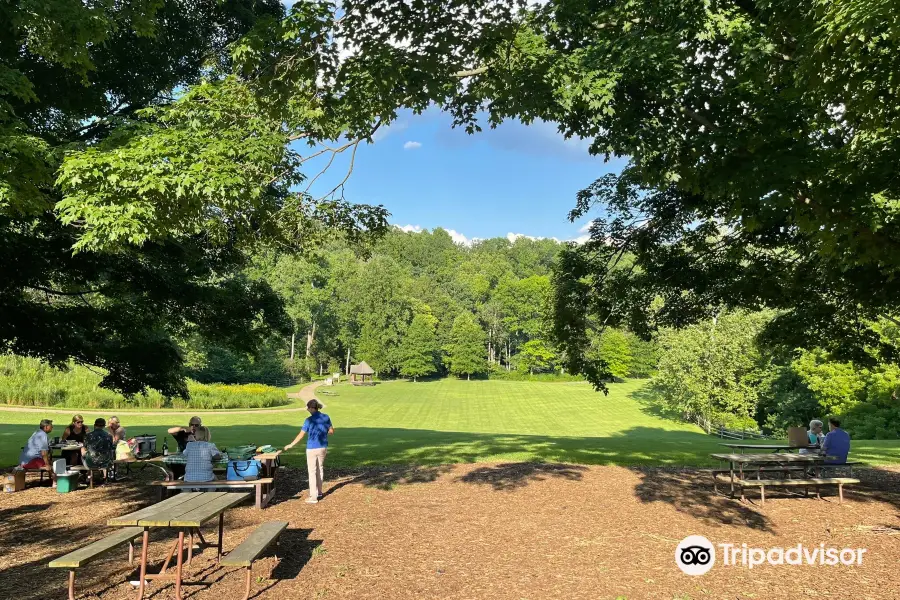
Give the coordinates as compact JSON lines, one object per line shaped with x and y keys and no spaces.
{"x":75,"y":432}
{"x":814,"y":435}
{"x":116,"y":430}
{"x":200,"y":456}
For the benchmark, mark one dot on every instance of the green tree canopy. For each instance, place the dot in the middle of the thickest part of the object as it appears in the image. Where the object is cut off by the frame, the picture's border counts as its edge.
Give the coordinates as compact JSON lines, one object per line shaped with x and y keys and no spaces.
{"x":466,"y":351}
{"x":419,"y":347}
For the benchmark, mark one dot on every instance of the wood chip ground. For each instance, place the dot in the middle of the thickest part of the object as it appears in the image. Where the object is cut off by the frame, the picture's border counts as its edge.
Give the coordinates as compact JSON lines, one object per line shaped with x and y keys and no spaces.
{"x":485,"y":531}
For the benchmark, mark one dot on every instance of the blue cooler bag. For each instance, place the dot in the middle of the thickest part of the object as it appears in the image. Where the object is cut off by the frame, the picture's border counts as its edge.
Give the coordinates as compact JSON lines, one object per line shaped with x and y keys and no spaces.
{"x":243,"y":470}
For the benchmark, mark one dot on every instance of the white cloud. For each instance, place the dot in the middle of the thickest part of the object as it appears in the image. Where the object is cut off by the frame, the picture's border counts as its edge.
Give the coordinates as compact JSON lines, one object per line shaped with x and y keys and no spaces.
{"x":586,"y":228}
{"x":459,"y":238}
{"x":409,"y":228}
{"x":410,"y":145}
{"x":581,"y":239}
{"x":395,"y":127}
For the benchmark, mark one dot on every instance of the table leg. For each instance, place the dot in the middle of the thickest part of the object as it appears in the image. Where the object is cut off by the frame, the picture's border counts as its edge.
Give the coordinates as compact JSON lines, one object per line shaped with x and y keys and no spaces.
{"x":143,"y":563}
{"x":71,"y":585}
{"x":178,"y":565}
{"x":191,"y":547}
{"x":732,"y":479}
{"x":221,"y":530}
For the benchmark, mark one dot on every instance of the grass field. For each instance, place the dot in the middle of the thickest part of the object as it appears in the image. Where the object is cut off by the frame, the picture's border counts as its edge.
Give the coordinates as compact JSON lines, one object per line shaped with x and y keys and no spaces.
{"x":450,"y":421}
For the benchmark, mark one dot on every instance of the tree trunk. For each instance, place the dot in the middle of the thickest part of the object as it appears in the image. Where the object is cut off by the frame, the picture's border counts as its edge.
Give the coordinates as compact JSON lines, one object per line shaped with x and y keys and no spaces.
{"x":348,"y":361}
{"x":292,"y":346}
{"x":310,"y":338}
{"x":468,"y":377}
{"x":320,"y":369}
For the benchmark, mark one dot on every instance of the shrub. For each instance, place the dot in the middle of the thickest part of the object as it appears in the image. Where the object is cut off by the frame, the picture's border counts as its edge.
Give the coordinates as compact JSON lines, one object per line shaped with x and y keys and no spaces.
{"x":30,"y":382}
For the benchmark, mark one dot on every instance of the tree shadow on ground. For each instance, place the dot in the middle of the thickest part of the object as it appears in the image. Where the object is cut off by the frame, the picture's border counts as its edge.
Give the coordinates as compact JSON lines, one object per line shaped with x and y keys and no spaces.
{"x":510,"y":476}
{"x":691,"y":492}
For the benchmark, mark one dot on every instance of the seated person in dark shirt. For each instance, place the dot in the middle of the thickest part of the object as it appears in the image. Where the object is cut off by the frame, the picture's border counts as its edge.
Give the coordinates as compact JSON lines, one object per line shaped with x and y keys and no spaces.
{"x":184,"y":435}
{"x":99,"y":450}
{"x":836,"y":444}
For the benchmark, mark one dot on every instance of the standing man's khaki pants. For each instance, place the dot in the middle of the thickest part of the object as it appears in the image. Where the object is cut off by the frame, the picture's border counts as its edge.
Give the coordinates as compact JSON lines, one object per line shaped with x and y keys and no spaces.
{"x":315,"y":466}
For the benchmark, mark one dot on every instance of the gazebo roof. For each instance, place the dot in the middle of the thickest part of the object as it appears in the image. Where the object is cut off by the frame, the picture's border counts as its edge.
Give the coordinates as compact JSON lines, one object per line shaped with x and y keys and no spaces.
{"x":362,"y":369}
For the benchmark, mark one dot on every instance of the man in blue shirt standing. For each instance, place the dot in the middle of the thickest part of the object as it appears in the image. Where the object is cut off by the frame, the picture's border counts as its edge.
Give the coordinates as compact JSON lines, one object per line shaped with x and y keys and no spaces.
{"x":318,"y":426}
{"x":836,"y":444}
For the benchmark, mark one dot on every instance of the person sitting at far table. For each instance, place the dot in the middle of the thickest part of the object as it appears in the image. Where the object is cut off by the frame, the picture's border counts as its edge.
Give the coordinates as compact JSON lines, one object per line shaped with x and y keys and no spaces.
{"x":183,"y":435}
{"x":74,"y":433}
{"x":99,"y":452}
{"x":836,"y":444}
{"x":200,"y":456}
{"x":116,"y":430}
{"x":814,"y":435}
{"x":36,"y":453}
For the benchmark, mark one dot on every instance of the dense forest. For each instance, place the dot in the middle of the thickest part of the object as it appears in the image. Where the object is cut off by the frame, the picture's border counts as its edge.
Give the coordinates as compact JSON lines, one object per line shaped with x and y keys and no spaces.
{"x":415,"y":305}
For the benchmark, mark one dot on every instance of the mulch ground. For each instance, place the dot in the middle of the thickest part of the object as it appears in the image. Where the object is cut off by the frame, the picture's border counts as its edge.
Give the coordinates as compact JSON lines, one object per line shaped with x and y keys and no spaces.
{"x":485,"y":531}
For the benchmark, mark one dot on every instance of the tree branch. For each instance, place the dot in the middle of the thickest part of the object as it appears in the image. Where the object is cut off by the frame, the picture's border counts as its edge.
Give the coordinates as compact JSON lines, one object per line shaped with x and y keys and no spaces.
{"x":698,"y":118}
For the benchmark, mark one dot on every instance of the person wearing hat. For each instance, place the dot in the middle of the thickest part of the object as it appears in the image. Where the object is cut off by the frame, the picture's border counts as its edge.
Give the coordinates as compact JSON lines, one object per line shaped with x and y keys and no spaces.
{"x":318,"y":426}
{"x":36,"y":453}
{"x":184,"y":435}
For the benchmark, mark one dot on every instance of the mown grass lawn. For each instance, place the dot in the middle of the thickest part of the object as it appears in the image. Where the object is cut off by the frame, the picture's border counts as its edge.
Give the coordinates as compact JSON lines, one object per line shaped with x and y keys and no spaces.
{"x":449,"y":421}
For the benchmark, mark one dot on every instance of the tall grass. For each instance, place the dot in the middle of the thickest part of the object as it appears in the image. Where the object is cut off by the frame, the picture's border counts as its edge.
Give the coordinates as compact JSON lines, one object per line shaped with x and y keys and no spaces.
{"x":29,"y":382}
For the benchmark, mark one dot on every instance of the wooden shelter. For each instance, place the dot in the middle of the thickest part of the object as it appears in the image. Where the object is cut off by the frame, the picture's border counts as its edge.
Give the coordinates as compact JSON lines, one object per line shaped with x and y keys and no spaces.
{"x":360,"y":373}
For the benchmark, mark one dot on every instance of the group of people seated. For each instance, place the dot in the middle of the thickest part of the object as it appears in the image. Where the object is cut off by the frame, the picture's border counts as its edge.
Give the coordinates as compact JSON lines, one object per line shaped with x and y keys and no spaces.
{"x":98,"y":447}
{"x":97,"y":451}
{"x":836,"y":444}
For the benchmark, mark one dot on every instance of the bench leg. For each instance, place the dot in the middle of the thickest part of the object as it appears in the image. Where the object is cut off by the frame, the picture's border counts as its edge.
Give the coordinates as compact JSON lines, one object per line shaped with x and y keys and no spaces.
{"x":249,"y":580}
{"x":178,"y":565}
{"x":221,"y":529}
{"x":762,"y":495}
{"x":191,"y":547}
{"x":131,"y":552}
{"x":259,"y":496}
{"x":841,"y":493}
{"x":143,"y":563}
{"x":71,"y":585}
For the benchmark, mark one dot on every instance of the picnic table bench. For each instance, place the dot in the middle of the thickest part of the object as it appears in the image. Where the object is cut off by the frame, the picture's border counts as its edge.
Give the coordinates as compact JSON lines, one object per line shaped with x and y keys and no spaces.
{"x":83,"y":556}
{"x":265,"y":487}
{"x":774,"y":447}
{"x":251,"y":548}
{"x":814,"y":481}
{"x":185,"y":513}
{"x":785,"y":463}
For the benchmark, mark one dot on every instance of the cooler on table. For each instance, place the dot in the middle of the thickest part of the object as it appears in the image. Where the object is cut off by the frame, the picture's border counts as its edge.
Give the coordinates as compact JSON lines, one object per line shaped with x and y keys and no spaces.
{"x":144,"y":445}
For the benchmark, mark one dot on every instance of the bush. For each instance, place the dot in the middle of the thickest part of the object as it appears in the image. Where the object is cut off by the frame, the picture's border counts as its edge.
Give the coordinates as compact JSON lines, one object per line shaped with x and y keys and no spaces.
{"x":30,"y":382}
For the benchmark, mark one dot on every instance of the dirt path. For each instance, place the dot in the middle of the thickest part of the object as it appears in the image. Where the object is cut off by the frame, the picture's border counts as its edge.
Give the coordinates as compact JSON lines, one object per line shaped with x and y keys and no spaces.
{"x":306,"y":393}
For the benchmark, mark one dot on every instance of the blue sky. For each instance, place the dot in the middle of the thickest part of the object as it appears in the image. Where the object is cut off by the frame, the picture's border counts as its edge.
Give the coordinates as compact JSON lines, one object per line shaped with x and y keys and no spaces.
{"x":516,"y":179}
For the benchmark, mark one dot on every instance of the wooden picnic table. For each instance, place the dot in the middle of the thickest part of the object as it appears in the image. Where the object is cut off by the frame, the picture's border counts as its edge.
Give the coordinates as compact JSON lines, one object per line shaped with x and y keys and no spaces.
{"x":269,"y":462}
{"x":775,"y":447}
{"x":761,"y":460}
{"x":186,"y":513}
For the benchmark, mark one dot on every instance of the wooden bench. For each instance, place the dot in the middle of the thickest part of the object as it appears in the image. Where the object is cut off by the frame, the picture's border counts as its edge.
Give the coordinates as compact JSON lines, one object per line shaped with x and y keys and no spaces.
{"x":91,"y":471}
{"x":83,"y":556}
{"x":265,"y":487}
{"x":762,"y":483}
{"x":250,"y":549}
{"x":785,"y":470}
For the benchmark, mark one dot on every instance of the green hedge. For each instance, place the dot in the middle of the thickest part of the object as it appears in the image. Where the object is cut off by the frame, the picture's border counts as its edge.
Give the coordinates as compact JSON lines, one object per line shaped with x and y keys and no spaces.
{"x":30,"y":382}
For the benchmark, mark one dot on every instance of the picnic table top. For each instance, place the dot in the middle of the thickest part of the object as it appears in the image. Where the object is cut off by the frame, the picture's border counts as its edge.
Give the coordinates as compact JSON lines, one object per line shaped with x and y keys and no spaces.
{"x":770,"y":458}
{"x":191,"y":509}
{"x":771,"y":446}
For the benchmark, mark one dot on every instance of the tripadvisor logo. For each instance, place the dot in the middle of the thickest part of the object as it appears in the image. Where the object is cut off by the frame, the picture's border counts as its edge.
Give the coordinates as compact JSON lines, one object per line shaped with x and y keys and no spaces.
{"x":696,"y":555}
